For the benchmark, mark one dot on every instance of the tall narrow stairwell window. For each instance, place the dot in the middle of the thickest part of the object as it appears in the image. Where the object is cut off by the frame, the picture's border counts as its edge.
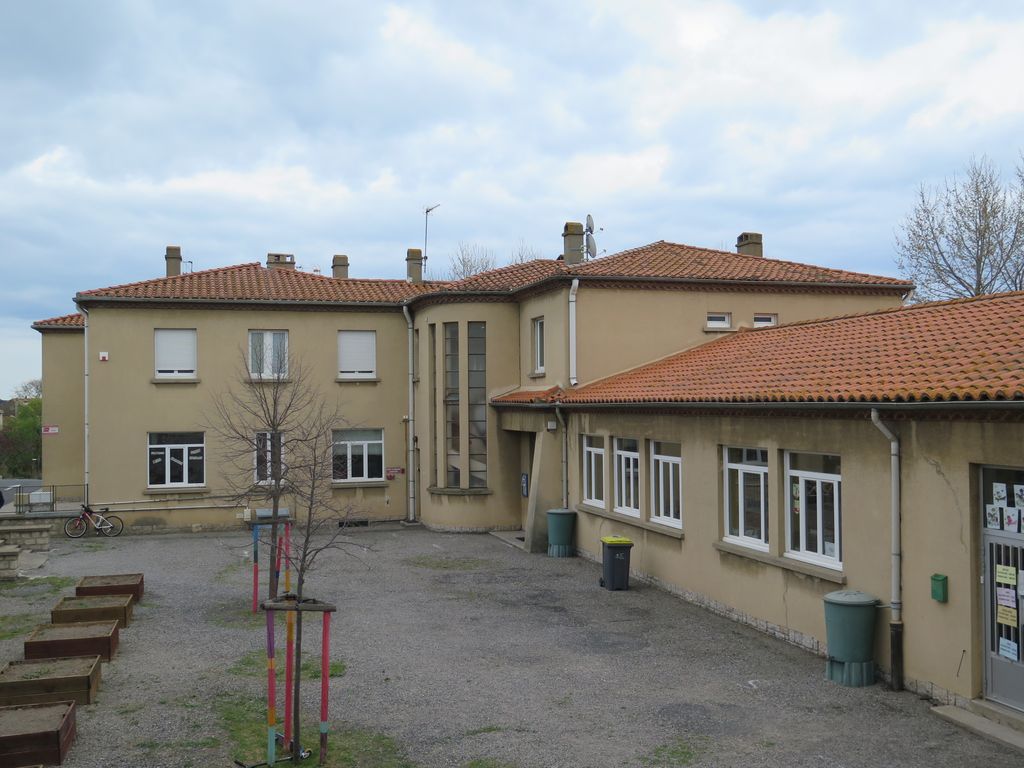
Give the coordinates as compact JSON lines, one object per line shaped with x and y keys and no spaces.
{"x":477,"y":337}
{"x":451,"y":404}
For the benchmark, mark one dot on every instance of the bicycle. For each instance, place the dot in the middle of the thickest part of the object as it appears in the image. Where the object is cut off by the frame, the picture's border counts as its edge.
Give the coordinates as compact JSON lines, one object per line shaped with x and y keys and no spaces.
{"x":108,"y":525}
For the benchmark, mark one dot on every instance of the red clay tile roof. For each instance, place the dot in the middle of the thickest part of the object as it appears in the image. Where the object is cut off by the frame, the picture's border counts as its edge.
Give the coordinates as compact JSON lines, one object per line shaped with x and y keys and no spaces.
{"x":967,"y":349}
{"x":63,"y":322}
{"x":530,"y":396}
{"x":510,"y":278}
{"x":253,"y":282}
{"x":673,"y":260}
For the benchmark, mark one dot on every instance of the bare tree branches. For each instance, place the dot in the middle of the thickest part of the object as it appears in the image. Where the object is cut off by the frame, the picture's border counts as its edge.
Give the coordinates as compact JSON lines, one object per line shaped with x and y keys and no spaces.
{"x":966,"y":238}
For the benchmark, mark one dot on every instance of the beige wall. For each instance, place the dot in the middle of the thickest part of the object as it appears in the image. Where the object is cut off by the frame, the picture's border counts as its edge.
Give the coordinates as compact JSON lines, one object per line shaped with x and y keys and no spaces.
{"x":63,"y":407}
{"x":463,"y":508}
{"x":126,"y":404}
{"x":554,"y":308}
{"x":618,"y":329}
{"x":941,"y":527}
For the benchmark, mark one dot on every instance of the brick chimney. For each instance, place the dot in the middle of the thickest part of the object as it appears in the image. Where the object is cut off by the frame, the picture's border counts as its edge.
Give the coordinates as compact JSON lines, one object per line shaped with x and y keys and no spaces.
{"x":280,"y":261}
{"x":414,"y":266}
{"x":339,"y":267}
{"x":173,"y":259}
{"x":749,"y":243}
{"x":572,"y":242}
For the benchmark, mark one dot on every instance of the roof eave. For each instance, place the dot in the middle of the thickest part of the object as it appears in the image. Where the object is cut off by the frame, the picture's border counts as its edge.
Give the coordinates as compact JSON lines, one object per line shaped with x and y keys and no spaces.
{"x":815,"y":405}
{"x":92,"y":299}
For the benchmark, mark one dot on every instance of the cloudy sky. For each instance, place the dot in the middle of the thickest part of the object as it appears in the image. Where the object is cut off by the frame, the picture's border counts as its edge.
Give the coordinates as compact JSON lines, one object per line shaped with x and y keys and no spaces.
{"x":314,"y":128}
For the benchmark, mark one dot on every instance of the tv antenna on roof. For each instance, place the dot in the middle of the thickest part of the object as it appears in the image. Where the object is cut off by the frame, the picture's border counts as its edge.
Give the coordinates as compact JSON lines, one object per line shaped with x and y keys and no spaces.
{"x":426,"y":217}
{"x":590,"y":248}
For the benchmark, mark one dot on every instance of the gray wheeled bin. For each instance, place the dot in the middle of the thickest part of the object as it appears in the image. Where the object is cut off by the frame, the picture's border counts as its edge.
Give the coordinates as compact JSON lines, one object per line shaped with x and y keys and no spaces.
{"x":615,"y":560}
{"x":850,"y":629}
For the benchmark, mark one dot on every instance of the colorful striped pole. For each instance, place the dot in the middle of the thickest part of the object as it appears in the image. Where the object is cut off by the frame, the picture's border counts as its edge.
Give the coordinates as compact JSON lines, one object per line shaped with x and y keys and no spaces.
{"x":255,"y":568}
{"x":325,"y":670}
{"x":277,"y":565}
{"x":289,"y":648}
{"x":271,"y":692}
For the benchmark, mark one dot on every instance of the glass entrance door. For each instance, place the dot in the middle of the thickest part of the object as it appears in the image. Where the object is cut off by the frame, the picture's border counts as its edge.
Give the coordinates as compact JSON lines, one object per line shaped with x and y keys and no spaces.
{"x":1002,"y":502}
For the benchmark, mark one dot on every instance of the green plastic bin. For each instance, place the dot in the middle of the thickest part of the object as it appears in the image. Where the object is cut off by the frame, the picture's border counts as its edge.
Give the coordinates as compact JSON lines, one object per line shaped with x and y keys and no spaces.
{"x":850,"y":629}
{"x":560,"y":527}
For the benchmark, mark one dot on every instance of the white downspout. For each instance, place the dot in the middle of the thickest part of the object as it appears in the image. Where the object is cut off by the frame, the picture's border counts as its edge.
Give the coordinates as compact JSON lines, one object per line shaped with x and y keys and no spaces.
{"x":565,"y":457}
{"x":896,"y":599}
{"x":411,"y":422}
{"x":572,"y":331}
{"x":85,"y":404}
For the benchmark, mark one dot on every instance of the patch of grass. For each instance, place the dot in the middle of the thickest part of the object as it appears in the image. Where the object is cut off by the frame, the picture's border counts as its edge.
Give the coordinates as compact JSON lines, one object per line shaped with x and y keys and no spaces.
{"x":131,"y":709}
{"x":234,"y":616}
{"x":447,"y":562}
{"x":243,"y":719}
{"x":152,"y":745}
{"x":232,"y":569}
{"x":254,"y":664}
{"x":487,"y":762}
{"x":37,"y":673}
{"x":17,"y":624}
{"x":47,"y":585}
{"x":675,"y":755}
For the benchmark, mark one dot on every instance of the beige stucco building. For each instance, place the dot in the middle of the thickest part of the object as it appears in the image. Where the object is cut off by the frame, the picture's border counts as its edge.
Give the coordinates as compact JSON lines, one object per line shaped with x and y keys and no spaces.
{"x":680,"y":396}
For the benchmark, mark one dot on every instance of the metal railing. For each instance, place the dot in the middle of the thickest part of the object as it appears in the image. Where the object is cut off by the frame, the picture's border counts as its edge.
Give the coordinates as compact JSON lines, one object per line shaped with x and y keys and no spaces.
{"x":48,"y":498}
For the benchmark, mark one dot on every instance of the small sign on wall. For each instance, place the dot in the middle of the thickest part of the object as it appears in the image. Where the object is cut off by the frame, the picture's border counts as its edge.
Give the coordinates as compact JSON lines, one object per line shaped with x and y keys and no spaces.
{"x":51,"y":429}
{"x":392,"y":472}
{"x":524,"y":483}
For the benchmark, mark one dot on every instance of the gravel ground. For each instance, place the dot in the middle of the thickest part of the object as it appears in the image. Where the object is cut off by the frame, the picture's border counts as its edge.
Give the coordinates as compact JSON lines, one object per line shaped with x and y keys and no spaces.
{"x":460,"y":648}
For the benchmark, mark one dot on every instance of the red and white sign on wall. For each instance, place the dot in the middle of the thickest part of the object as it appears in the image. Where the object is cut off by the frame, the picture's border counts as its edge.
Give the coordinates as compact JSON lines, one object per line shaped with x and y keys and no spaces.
{"x":51,"y":429}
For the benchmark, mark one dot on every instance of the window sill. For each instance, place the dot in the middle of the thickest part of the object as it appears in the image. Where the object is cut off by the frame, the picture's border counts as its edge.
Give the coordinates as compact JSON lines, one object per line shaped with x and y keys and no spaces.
{"x":342,"y":484}
{"x":368,"y":380}
{"x":536,"y":375}
{"x":435,"y":491}
{"x":786,"y":563}
{"x":719,"y":330}
{"x":169,"y":380}
{"x":172,"y":489}
{"x":664,"y":530}
{"x":269,"y":380}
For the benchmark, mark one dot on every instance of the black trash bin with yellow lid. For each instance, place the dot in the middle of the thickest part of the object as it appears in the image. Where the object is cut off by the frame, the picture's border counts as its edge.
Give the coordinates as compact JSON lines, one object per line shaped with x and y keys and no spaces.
{"x":615,"y":557}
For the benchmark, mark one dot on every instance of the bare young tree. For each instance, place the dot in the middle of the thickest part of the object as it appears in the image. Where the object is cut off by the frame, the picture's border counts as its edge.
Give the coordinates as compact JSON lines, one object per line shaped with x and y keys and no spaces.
{"x":523,"y":253}
{"x":29,"y":390}
{"x":965,"y":238}
{"x":470,"y":259}
{"x":264,"y":421}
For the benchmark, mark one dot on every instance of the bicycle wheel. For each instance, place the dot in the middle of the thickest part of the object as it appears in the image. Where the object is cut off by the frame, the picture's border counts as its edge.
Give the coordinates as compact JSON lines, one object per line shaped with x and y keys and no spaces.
{"x":76,"y":527}
{"x":112,"y":525}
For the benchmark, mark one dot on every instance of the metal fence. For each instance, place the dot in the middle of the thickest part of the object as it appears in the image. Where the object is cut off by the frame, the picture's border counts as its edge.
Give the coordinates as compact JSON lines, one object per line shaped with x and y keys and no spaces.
{"x":49,"y":498}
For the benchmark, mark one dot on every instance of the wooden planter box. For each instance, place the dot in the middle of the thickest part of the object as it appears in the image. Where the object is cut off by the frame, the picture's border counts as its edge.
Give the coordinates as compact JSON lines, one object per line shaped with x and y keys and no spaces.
{"x":94,"y":608}
{"x":41,"y":681}
{"x":114,"y":584}
{"x":53,"y":641}
{"x":36,"y":733}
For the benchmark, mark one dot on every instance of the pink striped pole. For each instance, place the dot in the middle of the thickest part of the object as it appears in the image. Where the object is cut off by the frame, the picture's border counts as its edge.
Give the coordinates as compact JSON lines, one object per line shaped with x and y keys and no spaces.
{"x":325,"y":671}
{"x":271,"y":692}
{"x":289,"y":647}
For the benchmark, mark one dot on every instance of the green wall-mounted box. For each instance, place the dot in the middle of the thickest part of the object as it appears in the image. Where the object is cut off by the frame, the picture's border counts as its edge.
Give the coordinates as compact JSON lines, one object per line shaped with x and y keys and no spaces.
{"x":940,"y":587}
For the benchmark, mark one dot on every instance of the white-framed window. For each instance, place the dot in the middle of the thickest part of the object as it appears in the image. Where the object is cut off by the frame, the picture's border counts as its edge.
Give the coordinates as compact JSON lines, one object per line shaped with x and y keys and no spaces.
{"x":268,"y":354}
{"x":666,"y":483}
{"x":357,"y":354}
{"x":814,"y":517}
{"x":765,"y":319}
{"x":627,"y":476}
{"x":538,"y":345}
{"x":175,"y":353}
{"x":746,"y":496}
{"x":593,"y":470}
{"x":176,"y":459}
{"x":268,"y":452}
{"x":358,"y":455}
{"x":718,"y":320}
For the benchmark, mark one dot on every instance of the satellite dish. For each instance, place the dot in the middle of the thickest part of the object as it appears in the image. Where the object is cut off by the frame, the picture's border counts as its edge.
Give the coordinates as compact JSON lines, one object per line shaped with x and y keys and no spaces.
{"x":590,"y":224}
{"x":591,"y":246}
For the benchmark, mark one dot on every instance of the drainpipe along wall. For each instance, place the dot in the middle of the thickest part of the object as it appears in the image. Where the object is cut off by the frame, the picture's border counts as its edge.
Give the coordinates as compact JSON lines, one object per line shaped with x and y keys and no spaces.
{"x":896,"y":600}
{"x":85,"y":405}
{"x":572,"y":331}
{"x":410,"y":461}
{"x":565,"y":457}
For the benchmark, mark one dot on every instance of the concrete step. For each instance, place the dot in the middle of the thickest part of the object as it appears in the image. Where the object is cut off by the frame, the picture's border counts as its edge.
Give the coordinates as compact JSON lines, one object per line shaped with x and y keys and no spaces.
{"x":515,"y":539}
{"x":999,"y":713}
{"x":981,"y":726}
